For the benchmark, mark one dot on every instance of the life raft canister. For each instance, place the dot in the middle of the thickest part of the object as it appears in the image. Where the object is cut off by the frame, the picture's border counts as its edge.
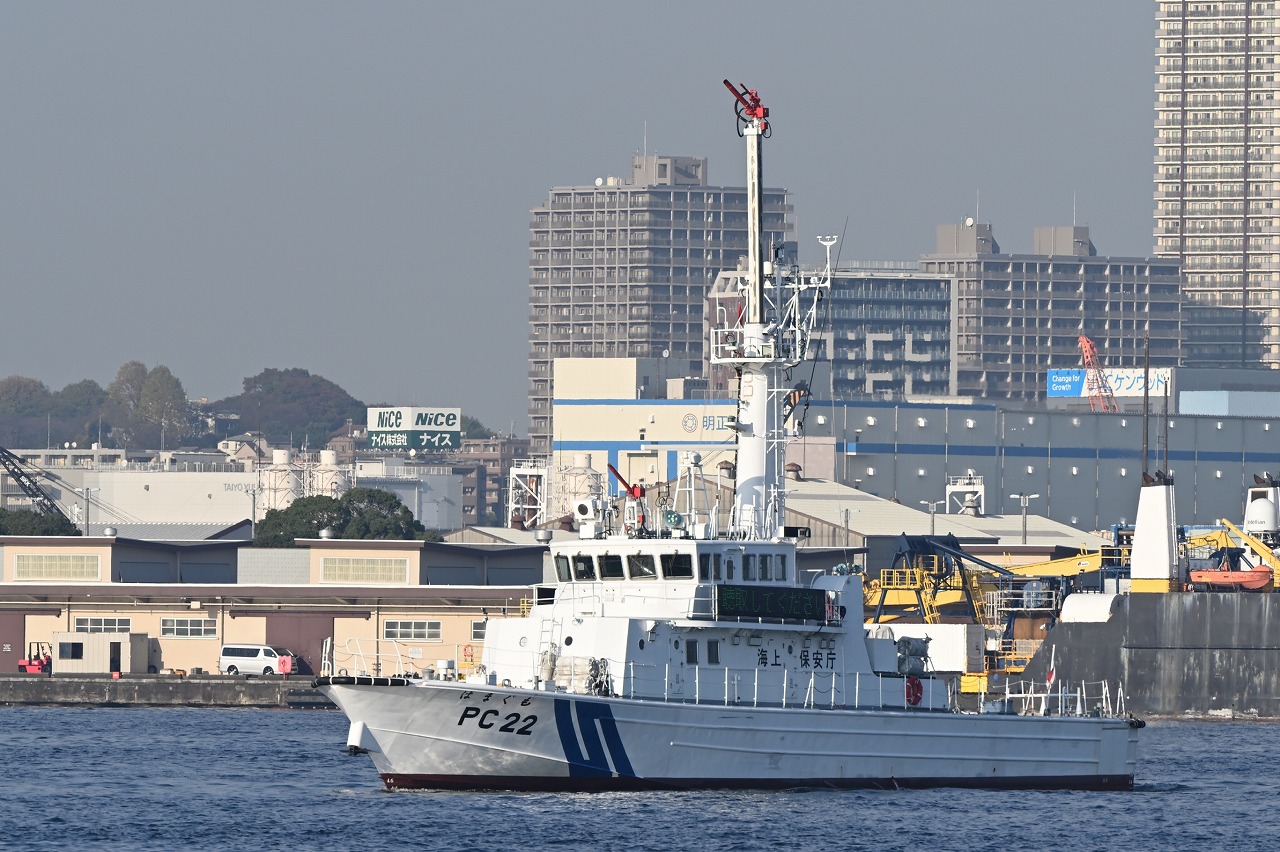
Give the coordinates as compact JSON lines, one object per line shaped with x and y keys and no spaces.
{"x":915,"y":690}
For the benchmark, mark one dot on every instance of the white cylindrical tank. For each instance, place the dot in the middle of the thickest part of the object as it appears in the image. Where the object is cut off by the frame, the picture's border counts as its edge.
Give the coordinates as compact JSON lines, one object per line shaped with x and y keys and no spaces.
{"x":280,"y":456}
{"x":328,"y":457}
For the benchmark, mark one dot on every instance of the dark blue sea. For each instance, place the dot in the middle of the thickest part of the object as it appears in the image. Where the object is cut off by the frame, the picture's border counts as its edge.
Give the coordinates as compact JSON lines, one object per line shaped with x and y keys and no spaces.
{"x":144,"y":778}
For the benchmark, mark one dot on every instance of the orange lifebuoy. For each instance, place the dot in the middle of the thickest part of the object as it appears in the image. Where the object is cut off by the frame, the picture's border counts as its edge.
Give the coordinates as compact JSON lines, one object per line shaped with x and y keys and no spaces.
{"x":467,"y":652}
{"x":915,"y":690}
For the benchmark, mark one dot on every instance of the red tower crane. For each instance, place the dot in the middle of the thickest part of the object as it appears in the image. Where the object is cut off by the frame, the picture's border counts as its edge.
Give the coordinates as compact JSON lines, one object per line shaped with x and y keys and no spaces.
{"x":1095,"y":381}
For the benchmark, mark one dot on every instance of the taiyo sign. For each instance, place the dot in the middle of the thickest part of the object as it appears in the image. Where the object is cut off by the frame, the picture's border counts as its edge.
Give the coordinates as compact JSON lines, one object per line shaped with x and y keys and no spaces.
{"x":415,"y":428}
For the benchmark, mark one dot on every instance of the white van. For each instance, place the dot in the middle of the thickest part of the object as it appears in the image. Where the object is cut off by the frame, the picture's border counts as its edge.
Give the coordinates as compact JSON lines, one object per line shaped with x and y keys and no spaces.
{"x":255,"y":659}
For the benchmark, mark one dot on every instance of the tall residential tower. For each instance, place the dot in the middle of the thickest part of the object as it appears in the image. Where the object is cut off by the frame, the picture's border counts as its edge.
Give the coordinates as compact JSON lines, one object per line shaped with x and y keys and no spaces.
{"x":1217,"y":184}
{"x":621,"y":269}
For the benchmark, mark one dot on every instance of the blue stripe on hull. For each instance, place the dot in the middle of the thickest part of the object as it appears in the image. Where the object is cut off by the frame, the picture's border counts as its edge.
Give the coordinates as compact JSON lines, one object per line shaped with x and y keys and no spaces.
{"x":599,"y":734}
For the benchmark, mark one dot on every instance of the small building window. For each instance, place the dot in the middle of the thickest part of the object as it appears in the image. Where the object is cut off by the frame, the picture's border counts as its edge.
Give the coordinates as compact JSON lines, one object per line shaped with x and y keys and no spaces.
{"x":477,"y":630}
{"x":188,"y":627}
{"x":94,"y":624}
{"x":411,"y":631}
{"x":55,"y":566}
{"x":70,"y":650}
{"x":362,"y":570}
{"x":713,"y":652}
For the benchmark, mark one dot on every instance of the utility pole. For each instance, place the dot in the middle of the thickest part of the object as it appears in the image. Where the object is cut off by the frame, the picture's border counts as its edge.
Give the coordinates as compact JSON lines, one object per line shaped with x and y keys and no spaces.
{"x":86,"y":492}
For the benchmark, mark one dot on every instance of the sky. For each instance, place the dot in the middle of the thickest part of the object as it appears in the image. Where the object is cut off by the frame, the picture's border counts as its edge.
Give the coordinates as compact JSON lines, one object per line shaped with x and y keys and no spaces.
{"x":345,"y":187}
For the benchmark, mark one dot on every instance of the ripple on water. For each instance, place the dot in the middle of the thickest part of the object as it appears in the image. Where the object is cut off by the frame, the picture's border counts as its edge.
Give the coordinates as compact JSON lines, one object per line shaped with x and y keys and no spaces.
{"x":146,"y":778}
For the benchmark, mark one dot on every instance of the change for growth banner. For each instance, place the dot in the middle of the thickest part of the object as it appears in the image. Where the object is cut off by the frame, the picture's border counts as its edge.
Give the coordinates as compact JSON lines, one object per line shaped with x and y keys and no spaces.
{"x":1124,"y":381}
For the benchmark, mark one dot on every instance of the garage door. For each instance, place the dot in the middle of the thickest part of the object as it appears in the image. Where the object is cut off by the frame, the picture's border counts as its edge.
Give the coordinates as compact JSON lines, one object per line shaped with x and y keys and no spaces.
{"x":302,"y":634}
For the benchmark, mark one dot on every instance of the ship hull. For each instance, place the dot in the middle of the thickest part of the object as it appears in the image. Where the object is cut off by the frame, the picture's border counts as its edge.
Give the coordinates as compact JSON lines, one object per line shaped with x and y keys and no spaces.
{"x":449,"y":736}
{"x":1180,"y":654}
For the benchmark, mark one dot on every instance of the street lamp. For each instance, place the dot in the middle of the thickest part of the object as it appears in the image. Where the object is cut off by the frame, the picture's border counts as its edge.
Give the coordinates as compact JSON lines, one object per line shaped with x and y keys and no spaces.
{"x":1025,"y":498}
{"x":933,"y":513}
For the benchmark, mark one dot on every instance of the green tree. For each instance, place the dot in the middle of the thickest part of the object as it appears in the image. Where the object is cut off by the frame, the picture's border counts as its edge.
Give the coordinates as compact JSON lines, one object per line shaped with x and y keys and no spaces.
{"x":293,"y":402}
{"x":372,"y":513}
{"x":81,"y":400}
{"x":473,"y":428}
{"x":126,"y":391}
{"x":23,"y":396}
{"x":304,"y":518}
{"x":162,"y":406}
{"x":26,"y":522}
{"x":361,"y":513}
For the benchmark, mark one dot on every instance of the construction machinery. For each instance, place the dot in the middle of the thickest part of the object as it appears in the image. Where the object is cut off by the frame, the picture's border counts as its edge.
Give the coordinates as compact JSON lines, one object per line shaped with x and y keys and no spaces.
{"x":41,"y":502}
{"x":1101,"y":397}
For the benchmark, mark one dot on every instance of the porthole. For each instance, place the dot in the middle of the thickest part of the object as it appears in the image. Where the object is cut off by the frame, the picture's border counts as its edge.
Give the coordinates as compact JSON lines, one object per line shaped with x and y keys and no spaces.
{"x":568,"y":640}
{"x":524,"y":640}
{"x":676,"y":644}
{"x":641,"y":644}
{"x":791,"y":649}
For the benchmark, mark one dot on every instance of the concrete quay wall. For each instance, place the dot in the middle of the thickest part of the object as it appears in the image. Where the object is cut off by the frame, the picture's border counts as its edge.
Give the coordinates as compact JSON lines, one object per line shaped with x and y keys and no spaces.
{"x":160,"y":691}
{"x":1183,"y":654}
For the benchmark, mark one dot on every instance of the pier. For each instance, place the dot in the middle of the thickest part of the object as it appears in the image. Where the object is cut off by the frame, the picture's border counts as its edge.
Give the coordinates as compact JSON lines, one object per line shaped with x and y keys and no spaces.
{"x":196,"y":690}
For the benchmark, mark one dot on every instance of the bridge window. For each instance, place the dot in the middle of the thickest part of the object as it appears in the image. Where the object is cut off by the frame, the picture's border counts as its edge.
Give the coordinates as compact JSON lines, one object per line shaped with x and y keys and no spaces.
{"x":713,"y":652}
{"x":641,"y":567}
{"x":704,"y":567}
{"x":584,"y":569}
{"x":611,"y":567}
{"x":691,"y":652}
{"x":766,"y":566}
{"x":780,"y":567}
{"x":562,"y":568}
{"x":748,"y":566}
{"x":677,"y":566}
{"x":728,"y":568}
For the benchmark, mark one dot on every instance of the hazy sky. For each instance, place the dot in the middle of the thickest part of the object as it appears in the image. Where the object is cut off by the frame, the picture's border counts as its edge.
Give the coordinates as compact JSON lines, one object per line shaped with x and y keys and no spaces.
{"x":346,"y":188}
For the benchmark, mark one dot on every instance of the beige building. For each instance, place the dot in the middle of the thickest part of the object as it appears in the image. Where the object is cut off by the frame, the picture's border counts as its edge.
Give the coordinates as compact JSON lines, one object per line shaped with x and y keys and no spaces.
{"x":427,"y":602}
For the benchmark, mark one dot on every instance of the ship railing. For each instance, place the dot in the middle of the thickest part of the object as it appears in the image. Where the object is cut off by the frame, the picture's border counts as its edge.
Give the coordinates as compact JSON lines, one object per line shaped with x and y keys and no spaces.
{"x":767,"y":687}
{"x":372,"y":658}
{"x":1064,"y":698}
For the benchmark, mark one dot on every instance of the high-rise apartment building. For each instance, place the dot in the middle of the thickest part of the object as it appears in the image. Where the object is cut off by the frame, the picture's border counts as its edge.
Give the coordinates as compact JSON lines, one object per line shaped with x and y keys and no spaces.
{"x":621,"y":269}
{"x":1014,"y":316}
{"x":1217,"y":182}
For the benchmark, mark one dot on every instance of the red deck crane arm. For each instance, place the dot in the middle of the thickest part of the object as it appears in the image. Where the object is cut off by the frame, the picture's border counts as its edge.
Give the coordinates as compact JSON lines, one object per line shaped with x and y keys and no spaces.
{"x":636,"y":491}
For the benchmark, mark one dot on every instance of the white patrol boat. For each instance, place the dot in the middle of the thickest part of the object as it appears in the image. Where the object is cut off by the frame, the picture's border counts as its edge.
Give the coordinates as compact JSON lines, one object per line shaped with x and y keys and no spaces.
{"x":673,"y":655}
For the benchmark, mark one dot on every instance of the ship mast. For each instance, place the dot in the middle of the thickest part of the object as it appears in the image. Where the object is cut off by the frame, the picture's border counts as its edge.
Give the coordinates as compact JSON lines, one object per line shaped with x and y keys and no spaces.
{"x":769,"y":335}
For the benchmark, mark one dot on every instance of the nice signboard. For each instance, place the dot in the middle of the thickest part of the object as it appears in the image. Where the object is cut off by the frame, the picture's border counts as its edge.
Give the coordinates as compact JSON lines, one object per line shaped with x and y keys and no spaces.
{"x":427,"y":429}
